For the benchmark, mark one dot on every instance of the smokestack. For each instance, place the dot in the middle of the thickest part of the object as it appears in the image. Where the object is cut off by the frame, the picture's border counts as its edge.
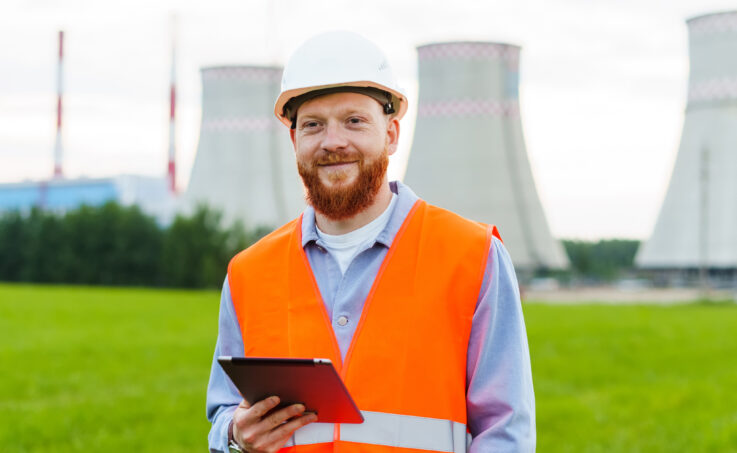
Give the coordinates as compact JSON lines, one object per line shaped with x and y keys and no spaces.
{"x":59,"y":91}
{"x":171,"y":168}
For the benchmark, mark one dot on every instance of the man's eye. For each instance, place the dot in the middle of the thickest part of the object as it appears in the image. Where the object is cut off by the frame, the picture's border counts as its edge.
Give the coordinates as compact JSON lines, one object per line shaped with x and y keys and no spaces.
{"x":309,"y":124}
{"x":354,"y":120}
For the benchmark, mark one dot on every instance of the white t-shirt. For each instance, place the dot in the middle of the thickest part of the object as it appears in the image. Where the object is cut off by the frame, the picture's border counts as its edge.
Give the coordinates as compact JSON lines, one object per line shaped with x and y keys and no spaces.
{"x":345,"y":247}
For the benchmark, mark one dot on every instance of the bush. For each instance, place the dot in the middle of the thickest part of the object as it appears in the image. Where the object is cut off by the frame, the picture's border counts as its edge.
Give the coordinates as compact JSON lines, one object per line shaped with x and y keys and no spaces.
{"x":604,"y":260}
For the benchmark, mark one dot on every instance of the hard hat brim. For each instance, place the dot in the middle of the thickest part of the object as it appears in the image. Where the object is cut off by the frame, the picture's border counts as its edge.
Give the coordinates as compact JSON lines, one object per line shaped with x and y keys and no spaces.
{"x":284,"y":97}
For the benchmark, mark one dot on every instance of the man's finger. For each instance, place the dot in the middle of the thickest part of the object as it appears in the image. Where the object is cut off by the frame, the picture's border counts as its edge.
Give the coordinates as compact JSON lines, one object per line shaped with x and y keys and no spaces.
{"x":281,"y":434}
{"x":282,"y":415}
{"x":258,"y":410}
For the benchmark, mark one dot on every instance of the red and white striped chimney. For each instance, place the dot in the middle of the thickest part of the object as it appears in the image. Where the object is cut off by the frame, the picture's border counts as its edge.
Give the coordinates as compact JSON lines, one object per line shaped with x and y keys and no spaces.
{"x":172,"y":171}
{"x":58,"y":173}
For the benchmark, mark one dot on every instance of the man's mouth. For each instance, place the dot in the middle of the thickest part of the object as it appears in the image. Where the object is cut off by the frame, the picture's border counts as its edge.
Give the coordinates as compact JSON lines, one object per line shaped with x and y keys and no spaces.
{"x":331,"y":164}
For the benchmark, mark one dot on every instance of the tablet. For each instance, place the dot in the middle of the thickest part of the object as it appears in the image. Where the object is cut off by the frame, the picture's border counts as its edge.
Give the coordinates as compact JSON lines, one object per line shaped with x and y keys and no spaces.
{"x":312,"y":382}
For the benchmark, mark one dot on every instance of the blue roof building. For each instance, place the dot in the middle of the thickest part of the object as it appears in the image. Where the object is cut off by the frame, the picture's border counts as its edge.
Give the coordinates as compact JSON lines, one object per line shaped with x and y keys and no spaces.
{"x":151,"y":194}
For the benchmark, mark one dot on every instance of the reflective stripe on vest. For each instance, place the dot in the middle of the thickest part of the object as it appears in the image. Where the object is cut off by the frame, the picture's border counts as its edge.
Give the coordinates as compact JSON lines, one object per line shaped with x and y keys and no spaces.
{"x":314,"y":433}
{"x":391,"y":430}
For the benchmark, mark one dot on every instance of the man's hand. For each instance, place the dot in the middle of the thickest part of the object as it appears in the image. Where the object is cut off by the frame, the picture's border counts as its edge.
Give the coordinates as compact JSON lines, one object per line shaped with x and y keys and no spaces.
{"x":258,"y":434}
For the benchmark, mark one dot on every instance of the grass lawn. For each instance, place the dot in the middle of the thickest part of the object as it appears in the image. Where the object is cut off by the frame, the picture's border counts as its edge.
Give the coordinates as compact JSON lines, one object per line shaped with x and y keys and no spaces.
{"x":634,"y":378}
{"x":107,"y":369}
{"x":104,"y":369}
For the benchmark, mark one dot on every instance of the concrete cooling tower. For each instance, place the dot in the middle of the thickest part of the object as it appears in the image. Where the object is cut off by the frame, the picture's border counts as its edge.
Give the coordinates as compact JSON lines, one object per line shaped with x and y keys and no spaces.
{"x":245,"y":163}
{"x":697,"y":224}
{"x":469,"y":154}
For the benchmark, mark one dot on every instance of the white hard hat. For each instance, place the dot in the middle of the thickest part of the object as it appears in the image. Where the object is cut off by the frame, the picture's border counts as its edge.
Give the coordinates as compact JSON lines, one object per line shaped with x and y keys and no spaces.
{"x":338,"y":61}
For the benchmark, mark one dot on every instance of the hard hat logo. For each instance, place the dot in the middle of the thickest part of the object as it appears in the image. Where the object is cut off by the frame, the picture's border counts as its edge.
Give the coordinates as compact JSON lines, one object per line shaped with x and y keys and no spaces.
{"x":333,"y":62}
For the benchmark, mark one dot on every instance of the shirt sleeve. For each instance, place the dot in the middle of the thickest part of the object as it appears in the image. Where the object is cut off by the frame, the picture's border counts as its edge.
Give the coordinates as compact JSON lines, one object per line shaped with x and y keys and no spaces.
{"x":222,"y":396}
{"x":500,"y":397}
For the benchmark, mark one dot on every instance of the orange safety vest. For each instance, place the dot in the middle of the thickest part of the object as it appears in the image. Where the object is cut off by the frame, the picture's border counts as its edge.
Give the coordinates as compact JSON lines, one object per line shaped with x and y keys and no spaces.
{"x":414,"y":327}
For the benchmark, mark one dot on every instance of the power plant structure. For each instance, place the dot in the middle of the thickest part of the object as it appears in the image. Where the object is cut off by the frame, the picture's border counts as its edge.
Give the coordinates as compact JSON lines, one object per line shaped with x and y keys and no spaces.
{"x":245,"y":165}
{"x":696,"y":229}
{"x":469,"y":153}
{"x":154,"y":195}
{"x":171,"y":168}
{"x":58,"y":172}
{"x":151,"y":194}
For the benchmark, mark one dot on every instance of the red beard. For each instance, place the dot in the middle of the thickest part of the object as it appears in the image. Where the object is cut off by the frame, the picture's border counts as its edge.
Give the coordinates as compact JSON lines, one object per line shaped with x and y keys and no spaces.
{"x":339,"y":203}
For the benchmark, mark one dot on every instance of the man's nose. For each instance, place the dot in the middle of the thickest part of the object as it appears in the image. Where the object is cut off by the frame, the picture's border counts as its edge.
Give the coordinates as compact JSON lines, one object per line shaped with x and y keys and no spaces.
{"x":334,"y":138}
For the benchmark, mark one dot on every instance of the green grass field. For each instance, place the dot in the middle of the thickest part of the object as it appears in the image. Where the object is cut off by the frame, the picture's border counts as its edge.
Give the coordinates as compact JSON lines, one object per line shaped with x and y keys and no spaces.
{"x":107,"y":369}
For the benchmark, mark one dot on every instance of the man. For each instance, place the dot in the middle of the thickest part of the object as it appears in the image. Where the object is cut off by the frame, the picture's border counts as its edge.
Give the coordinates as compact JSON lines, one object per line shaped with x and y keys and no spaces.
{"x":417,"y":307}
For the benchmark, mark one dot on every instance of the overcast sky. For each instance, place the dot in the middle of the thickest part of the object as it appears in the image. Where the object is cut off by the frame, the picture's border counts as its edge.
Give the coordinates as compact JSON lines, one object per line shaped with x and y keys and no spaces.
{"x":602,"y":85}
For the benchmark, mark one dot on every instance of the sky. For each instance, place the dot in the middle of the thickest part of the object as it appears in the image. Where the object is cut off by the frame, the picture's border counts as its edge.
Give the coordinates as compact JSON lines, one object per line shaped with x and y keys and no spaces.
{"x":602,"y":85}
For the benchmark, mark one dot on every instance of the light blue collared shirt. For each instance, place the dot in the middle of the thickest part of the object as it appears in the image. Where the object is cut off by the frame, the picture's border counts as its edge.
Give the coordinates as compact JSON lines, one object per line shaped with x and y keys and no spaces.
{"x":500,"y":398}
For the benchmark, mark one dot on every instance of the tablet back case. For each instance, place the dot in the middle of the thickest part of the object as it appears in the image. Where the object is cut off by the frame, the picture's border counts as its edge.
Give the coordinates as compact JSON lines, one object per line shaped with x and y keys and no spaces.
{"x":312,"y":382}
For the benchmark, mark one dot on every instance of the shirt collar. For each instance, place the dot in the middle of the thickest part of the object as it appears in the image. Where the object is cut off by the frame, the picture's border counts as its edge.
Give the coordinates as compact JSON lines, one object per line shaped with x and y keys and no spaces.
{"x":406,"y":198}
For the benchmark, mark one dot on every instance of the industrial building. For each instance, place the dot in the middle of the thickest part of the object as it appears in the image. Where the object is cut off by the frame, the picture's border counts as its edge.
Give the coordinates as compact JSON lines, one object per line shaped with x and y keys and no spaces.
{"x":245,"y":164}
{"x":697,"y":224}
{"x":469,"y":154}
{"x":59,"y":195}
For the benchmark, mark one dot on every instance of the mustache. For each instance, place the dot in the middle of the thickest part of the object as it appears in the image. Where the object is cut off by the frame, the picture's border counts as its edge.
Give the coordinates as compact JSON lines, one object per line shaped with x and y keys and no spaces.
{"x":336,"y":158}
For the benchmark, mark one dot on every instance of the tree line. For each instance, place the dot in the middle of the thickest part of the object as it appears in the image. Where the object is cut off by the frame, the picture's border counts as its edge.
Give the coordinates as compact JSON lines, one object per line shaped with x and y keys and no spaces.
{"x":601,"y":261}
{"x":119,"y":245}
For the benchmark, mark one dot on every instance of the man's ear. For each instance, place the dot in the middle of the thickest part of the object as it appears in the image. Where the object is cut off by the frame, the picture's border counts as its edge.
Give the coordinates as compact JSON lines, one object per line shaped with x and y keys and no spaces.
{"x":392,"y":135}
{"x":293,"y":136}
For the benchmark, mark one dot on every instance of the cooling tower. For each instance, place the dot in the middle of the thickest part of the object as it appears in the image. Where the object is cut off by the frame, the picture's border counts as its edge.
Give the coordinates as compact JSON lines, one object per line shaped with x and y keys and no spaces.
{"x":245,"y":164}
{"x":469,"y":154}
{"x":697,"y":224}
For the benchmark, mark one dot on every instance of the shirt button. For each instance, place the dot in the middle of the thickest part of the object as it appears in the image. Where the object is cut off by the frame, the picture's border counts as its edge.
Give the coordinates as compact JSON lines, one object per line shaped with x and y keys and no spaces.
{"x":321,"y":248}
{"x":342,"y":321}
